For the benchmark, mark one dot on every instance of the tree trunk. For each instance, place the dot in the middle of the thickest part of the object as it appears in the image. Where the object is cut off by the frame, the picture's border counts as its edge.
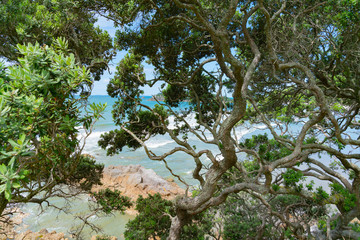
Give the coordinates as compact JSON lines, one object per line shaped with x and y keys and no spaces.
{"x":175,"y":229}
{"x":177,"y":223}
{"x":3,"y":203}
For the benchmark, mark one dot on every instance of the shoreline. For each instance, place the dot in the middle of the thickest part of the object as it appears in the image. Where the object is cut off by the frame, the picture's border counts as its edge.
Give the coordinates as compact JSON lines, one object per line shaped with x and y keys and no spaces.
{"x":132,"y":181}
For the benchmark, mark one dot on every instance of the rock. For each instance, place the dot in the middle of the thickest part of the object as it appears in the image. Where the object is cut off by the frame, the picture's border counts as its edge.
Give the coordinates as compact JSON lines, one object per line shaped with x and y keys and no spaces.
{"x":103,"y":237}
{"x":43,"y":231}
{"x":42,"y":234}
{"x":355,"y":220}
{"x":88,"y":155}
{"x":169,"y":179}
{"x":13,"y":217}
{"x":132,"y":181}
{"x":135,"y":180}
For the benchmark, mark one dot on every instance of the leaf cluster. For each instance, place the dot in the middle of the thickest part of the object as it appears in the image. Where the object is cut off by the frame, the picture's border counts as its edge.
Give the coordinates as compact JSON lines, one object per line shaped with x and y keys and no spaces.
{"x":44,"y":21}
{"x":40,"y":116}
{"x":112,"y":200}
{"x":268,"y":149}
{"x":153,"y":221}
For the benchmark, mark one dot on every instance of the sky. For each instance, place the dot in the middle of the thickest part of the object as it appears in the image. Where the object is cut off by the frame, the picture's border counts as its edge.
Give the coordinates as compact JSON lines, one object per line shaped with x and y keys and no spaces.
{"x":100,"y":86}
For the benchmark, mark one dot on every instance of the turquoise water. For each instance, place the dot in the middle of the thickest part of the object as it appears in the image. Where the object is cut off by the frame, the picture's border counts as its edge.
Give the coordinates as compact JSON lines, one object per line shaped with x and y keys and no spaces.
{"x":54,"y":220}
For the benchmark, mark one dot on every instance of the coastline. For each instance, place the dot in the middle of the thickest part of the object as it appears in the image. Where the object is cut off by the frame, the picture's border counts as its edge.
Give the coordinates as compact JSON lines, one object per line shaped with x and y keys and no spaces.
{"x":132,"y":181}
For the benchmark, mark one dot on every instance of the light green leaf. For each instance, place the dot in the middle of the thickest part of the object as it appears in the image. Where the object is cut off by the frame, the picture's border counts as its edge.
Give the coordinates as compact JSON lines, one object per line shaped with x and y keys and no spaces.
{"x":2,"y":188}
{"x":11,"y":163}
{"x":14,"y":144}
{"x":3,"y":169}
{"x":3,"y":178}
{"x":16,"y":185}
{"x":8,"y":195}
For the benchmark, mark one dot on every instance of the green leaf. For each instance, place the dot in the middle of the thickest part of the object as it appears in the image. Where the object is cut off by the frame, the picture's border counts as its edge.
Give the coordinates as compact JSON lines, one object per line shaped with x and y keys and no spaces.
{"x":11,"y":163}
{"x":2,"y":188}
{"x":3,"y":169}
{"x":8,"y":195}
{"x":13,"y":144}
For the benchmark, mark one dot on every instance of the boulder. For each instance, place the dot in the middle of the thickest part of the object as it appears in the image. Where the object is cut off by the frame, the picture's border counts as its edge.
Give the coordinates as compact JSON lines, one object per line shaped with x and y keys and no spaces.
{"x":96,"y":237}
{"x":42,"y":234}
{"x":135,"y":180}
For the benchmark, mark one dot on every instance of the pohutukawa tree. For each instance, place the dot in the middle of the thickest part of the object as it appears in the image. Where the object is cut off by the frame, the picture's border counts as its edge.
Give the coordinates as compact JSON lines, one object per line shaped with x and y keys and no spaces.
{"x":290,"y":65}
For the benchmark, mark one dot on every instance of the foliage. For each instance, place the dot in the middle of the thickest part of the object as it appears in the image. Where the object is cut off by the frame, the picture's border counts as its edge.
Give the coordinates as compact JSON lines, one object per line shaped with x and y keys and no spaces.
{"x":244,"y":215}
{"x":320,"y":195}
{"x":9,"y":177}
{"x":103,"y":237}
{"x":292,"y":177}
{"x":322,"y":225}
{"x":43,"y":21}
{"x":87,"y":173}
{"x":268,"y":149}
{"x":240,"y":221}
{"x":355,"y":227}
{"x":153,"y":221}
{"x":343,"y":195}
{"x":40,"y":116}
{"x":112,"y":200}
{"x":141,"y":122}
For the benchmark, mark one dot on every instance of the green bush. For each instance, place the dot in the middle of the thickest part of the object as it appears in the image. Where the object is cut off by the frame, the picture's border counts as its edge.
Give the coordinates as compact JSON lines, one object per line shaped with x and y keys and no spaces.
{"x":153,"y":221}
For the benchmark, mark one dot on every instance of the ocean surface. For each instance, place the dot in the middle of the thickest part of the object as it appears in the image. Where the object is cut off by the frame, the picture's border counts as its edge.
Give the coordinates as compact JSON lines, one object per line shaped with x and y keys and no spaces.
{"x":180,"y":163}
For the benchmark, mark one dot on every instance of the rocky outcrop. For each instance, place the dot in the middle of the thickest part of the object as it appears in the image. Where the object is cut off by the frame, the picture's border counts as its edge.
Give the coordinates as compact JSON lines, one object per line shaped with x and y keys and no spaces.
{"x":135,"y":180}
{"x":42,"y":234}
{"x":13,"y":217}
{"x":132,"y":181}
{"x":96,"y":237}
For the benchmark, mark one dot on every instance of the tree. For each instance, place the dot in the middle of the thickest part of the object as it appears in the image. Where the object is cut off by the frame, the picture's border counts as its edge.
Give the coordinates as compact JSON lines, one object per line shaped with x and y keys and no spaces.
{"x":42,"y":21}
{"x":40,"y":151}
{"x":290,"y":65}
{"x":244,"y":216}
{"x":153,"y":221}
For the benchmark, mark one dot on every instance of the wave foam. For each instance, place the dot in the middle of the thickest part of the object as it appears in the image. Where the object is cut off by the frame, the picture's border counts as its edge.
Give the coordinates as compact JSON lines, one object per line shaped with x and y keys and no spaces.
{"x":190,"y":119}
{"x":91,"y":141}
{"x":156,"y":144}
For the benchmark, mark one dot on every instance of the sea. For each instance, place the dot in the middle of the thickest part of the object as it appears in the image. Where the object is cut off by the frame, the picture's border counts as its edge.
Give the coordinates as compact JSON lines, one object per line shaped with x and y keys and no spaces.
{"x":114,"y":225}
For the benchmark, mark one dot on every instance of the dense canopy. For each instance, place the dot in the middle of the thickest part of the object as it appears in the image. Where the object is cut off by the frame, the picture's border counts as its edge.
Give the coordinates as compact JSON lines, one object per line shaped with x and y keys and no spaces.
{"x":24,"y":21}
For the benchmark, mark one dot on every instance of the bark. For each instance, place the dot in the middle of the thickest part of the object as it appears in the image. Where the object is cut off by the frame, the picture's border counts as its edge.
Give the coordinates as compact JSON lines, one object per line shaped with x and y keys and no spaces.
{"x":348,"y":234}
{"x":175,"y":229}
{"x":334,"y":234}
{"x":3,"y":203}
{"x":177,"y":223}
